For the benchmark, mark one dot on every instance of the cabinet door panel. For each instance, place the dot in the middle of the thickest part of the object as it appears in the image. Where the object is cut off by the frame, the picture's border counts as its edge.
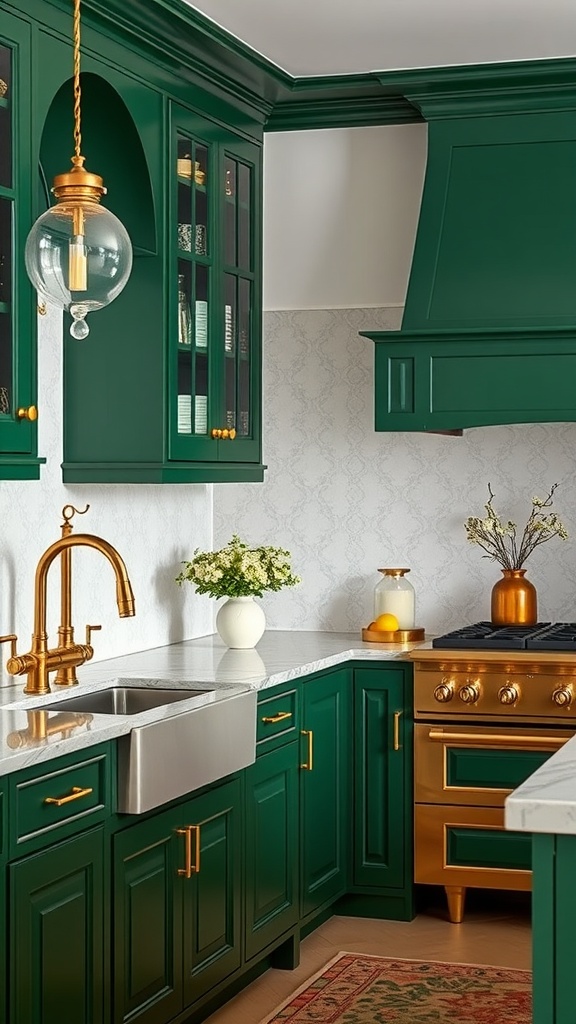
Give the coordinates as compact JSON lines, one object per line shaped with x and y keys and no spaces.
{"x":324,"y":790}
{"x":382,"y":799}
{"x":212,"y":895}
{"x":147,"y":922}
{"x":271,"y":899}
{"x":56,"y":934}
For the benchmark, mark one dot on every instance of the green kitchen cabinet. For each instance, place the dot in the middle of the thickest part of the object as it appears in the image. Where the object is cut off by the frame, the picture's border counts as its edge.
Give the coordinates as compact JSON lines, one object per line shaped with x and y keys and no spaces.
{"x":272,"y":843}
{"x":177,"y":905}
{"x":553,"y":910}
{"x":3,"y":920}
{"x":324,"y":790}
{"x":18,"y":387}
{"x":383,"y":798}
{"x":56,"y":934}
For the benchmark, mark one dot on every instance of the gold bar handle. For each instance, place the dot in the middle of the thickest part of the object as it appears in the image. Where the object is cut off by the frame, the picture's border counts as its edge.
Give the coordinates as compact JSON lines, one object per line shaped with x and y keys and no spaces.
{"x":76,"y":794}
{"x":186,"y":871}
{"x":396,"y":740}
{"x":492,"y":739}
{"x":308,"y":764}
{"x":196,"y":866}
{"x":278,"y":717}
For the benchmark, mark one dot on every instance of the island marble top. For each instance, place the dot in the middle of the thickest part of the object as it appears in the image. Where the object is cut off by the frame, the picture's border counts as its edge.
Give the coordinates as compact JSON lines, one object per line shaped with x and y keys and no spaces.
{"x":280,"y":657}
{"x":546,"y":802}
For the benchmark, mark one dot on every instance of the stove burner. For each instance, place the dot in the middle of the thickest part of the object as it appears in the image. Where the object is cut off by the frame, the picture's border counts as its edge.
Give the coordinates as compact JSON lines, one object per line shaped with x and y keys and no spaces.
{"x":543,"y":636}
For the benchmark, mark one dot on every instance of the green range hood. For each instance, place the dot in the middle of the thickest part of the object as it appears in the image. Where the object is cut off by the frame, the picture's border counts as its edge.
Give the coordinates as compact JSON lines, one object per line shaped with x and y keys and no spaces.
{"x":489,"y":328}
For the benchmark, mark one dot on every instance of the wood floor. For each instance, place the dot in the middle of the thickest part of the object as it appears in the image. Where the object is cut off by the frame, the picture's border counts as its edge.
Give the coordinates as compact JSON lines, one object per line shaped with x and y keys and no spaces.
{"x":496,"y":930}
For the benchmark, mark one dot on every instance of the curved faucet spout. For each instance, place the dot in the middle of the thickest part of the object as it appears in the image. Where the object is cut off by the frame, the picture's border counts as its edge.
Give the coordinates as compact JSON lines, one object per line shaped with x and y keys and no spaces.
{"x":124,"y":595}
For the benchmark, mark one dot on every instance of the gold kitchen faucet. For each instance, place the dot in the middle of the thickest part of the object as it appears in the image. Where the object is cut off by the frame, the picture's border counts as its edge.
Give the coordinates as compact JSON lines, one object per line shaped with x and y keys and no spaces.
{"x":41,"y":660}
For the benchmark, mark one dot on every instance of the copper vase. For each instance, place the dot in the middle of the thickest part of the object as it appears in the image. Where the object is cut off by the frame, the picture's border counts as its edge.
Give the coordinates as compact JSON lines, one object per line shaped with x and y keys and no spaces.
{"x":514,"y":600}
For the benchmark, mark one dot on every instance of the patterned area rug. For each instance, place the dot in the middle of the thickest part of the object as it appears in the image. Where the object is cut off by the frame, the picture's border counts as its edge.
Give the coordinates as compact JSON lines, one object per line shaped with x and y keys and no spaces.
{"x":360,"y":989}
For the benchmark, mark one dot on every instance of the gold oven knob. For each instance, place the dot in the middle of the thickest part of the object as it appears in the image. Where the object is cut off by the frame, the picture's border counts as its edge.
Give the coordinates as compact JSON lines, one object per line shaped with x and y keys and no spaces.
{"x":563,"y":696}
{"x":444,"y":691}
{"x":469,"y":693}
{"x":508,"y":694}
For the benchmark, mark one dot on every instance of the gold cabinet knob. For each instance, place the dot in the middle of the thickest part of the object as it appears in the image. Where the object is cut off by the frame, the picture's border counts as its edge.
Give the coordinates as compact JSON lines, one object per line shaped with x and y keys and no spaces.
{"x":444,"y":692}
{"x":508,"y":694}
{"x":469,"y":693}
{"x":232,"y":434}
{"x":29,"y":412}
{"x":562,"y":696}
{"x":216,"y":433}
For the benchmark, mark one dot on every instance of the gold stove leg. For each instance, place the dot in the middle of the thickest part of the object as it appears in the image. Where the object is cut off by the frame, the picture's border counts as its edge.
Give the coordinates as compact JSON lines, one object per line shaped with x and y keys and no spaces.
{"x":456,"y":895}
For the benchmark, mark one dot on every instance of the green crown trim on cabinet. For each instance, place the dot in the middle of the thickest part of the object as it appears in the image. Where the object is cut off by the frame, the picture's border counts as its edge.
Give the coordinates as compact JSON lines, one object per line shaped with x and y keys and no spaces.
{"x":18,"y":436}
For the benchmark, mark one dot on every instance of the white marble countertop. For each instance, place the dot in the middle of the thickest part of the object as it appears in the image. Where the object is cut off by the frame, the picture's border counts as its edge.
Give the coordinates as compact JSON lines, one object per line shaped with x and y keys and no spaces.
{"x":281,"y":656}
{"x":546,"y":802}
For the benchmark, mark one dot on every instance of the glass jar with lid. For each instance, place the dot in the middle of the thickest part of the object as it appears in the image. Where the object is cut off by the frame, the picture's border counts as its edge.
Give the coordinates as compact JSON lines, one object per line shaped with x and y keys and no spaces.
{"x":395,"y":595}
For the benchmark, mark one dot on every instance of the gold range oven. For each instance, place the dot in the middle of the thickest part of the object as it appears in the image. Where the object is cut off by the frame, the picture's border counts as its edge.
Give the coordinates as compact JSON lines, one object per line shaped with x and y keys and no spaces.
{"x":486,"y":717}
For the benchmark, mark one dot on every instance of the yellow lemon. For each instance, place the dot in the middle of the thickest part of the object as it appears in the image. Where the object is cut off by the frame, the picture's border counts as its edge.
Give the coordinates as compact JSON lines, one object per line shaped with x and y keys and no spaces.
{"x":387,"y":623}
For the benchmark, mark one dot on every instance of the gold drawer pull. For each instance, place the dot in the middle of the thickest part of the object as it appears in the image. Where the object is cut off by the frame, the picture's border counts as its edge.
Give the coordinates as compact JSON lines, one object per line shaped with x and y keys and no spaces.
{"x":76,"y":794}
{"x":493,"y":739}
{"x":396,"y":743}
{"x":280,"y":716}
{"x":190,"y":868}
{"x":29,"y":412}
{"x":308,"y":764}
{"x":216,"y":433}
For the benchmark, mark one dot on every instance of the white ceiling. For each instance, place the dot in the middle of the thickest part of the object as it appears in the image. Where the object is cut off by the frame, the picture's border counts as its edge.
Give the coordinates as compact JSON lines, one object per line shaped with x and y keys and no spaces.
{"x":329,"y":37}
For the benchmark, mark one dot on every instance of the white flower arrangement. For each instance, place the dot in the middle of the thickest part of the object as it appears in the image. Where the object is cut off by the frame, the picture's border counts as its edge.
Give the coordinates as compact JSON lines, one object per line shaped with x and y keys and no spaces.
{"x":499,"y":539}
{"x":239,"y":571}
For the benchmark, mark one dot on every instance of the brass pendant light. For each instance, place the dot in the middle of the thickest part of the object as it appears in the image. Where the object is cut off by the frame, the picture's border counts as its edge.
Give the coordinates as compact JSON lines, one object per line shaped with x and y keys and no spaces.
{"x":78,"y":255}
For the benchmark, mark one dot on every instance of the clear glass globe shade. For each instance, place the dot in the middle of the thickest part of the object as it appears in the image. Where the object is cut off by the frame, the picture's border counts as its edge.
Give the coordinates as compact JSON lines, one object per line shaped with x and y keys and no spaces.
{"x":107,"y":248}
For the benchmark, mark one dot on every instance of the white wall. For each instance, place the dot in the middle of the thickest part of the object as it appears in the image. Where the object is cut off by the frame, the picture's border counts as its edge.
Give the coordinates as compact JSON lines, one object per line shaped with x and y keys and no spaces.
{"x":344,"y":499}
{"x":340,"y":215}
{"x":153,"y":528}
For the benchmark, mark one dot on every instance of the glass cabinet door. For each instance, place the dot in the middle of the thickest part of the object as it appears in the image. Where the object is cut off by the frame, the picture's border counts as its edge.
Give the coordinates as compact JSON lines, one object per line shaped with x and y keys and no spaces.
{"x":17,"y":301}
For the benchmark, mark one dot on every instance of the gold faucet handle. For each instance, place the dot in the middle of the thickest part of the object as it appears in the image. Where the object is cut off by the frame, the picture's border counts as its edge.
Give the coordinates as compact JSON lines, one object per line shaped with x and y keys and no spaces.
{"x":89,"y":631}
{"x":11,"y":639}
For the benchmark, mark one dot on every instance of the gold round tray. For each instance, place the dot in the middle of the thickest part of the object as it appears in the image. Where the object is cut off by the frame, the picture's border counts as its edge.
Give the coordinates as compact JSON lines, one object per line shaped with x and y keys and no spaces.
{"x":397,"y":636}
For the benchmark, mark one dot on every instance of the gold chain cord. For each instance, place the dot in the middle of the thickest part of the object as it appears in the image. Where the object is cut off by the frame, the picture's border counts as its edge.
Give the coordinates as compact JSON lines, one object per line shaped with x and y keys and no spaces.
{"x":77,"y":91}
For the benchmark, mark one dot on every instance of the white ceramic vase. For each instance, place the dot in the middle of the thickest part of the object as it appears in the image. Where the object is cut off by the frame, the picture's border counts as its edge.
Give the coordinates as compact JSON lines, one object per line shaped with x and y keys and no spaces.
{"x":240,"y":622}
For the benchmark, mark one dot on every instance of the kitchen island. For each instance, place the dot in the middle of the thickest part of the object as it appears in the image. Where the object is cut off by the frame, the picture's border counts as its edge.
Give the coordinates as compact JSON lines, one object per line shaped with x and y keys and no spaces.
{"x":545,"y":805}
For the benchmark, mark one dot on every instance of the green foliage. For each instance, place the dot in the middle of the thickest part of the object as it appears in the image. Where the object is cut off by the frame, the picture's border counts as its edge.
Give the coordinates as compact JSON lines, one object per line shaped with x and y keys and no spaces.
{"x":238,"y":571}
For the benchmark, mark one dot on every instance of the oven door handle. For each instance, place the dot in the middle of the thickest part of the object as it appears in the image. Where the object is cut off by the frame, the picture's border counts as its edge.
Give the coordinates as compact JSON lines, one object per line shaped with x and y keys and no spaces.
{"x":487,"y":739}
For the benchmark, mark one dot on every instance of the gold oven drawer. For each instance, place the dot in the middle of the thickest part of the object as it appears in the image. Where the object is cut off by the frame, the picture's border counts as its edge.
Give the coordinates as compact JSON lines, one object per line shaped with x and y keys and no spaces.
{"x":51,"y":802}
{"x":477,"y":765}
{"x":277,"y":720}
{"x":465,"y":846}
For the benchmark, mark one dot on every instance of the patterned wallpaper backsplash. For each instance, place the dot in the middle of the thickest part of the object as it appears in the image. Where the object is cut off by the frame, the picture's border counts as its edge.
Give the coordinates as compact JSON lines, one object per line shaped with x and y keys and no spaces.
{"x":346,"y":500}
{"x":153,"y":528}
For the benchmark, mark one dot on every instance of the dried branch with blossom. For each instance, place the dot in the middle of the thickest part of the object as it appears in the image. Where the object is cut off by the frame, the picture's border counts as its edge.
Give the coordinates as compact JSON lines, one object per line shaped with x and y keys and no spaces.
{"x":500,"y":540}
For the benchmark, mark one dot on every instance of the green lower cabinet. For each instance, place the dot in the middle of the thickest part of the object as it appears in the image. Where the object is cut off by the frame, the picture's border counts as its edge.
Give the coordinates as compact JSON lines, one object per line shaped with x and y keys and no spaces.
{"x":382,"y":778}
{"x":176,"y":906}
{"x":271,"y":828}
{"x":553,"y":915}
{"x":324,"y":795}
{"x":3,"y":921}
{"x":56,"y":934}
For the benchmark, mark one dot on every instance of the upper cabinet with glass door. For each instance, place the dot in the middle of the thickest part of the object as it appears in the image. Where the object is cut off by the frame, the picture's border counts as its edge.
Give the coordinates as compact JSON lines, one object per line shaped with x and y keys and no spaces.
{"x":215,"y":361}
{"x":18,"y":412}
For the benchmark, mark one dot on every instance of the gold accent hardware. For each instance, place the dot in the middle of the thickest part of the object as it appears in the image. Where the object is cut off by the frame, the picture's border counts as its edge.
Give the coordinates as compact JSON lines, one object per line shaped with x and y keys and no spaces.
{"x":308,"y":764}
{"x":396,"y":742}
{"x":562,"y":697}
{"x":76,"y":794}
{"x":89,"y":631}
{"x":478,"y":739}
{"x":196,"y":865}
{"x":29,"y":412}
{"x":42,"y":725}
{"x":186,"y":871}
{"x":469,"y":693}
{"x":41,"y":660}
{"x":41,"y":309}
{"x":228,"y":435}
{"x":11,"y":639}
{"x":279,"y":717}
{"x":444,"y":691}
{"x":508,"y":694}
{"x":455,"y":895}
{"x":216,"y":433}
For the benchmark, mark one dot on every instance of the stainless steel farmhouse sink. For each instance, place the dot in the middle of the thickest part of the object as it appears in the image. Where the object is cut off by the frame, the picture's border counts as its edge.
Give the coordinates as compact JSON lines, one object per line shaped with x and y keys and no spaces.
{"x":204,"y":735}
{"x":124,"y":700}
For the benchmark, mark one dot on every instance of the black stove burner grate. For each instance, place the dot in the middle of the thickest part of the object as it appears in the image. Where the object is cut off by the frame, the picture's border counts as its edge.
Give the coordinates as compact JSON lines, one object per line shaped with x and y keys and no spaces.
{"x":543,"y":636}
